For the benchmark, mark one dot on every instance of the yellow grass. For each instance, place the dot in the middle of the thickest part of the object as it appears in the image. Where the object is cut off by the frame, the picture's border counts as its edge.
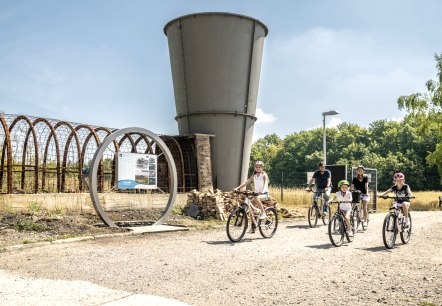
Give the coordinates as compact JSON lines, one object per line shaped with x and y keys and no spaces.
{"x":297,"y":198}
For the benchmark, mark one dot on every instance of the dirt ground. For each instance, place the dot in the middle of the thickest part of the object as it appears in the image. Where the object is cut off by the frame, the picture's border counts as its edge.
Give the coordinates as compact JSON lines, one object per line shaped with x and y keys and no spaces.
{"x":27,"y":228}
{"x":298,"y":266}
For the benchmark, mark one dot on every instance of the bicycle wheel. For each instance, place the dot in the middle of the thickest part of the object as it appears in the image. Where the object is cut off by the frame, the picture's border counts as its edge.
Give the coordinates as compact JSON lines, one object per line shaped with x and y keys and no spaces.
{"x":237,"y":225}
{"x":352,"y":220}
{"x":356,"y":217}
{"x":268,"y":226}
{"x":363,"y":224}
{"x":336,"y":231}
{"x":313,"y":215}
{"x":389,"y":230}
{"x":406,"y":232}
{"x":326,"y":215}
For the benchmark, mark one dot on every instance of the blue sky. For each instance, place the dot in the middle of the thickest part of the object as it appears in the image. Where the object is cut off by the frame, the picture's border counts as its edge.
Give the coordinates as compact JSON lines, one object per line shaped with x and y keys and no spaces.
{"x":106,"y":62}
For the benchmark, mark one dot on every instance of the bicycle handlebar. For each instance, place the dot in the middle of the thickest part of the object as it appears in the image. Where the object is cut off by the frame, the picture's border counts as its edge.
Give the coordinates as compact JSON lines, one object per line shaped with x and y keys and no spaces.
{"x":336,"y":202}
{"x":311,"y":190}
{"x":395,"y":197}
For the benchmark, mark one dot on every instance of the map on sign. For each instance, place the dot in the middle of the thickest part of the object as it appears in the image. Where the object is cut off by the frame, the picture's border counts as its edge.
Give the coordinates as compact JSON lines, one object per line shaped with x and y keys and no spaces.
{"x":137,"y":171}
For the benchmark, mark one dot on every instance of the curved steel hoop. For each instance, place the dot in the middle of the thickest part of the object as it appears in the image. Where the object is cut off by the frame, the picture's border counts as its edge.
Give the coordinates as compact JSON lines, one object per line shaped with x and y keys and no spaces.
{"x":96,"y":161}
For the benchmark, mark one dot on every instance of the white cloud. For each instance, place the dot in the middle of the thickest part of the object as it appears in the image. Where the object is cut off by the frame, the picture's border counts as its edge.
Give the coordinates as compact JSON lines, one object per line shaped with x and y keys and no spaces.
{"x":334,"y":122}
{"x":264,"y":117}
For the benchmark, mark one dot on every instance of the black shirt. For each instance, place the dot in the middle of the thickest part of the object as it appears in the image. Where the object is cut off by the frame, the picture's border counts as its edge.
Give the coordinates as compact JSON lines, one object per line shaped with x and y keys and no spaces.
{"x":402,"y":193}
{"x":321,"y":178}
{"x":360,"y":185}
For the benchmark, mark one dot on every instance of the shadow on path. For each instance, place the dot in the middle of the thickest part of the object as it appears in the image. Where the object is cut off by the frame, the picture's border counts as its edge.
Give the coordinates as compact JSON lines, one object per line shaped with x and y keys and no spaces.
{"x":375,"y":249}
{"x":322,"y":246}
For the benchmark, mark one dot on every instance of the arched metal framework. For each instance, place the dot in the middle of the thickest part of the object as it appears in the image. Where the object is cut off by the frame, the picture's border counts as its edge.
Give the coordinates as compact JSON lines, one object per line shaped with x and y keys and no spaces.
{"x":41,"y":155}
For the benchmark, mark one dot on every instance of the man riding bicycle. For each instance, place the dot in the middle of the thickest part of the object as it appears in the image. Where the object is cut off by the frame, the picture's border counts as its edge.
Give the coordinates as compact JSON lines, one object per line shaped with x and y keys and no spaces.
{"x":322,"y":178}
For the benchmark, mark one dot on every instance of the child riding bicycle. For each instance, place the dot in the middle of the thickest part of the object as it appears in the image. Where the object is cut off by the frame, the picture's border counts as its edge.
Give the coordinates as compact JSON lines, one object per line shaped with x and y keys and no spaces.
{"x":260,"y":180}
{"x":322,"y":179}
{"x":344,"y":196}
{"x":403,"y":194}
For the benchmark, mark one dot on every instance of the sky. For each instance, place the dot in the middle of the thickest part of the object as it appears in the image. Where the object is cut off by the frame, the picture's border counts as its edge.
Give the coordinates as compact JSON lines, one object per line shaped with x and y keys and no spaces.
{"x":106,"y":62}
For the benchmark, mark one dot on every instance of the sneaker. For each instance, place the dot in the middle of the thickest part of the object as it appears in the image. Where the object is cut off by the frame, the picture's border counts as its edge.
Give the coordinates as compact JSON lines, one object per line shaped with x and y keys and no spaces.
{"x":407,"y":224}
{"x":365,"y":223}
{"x":262,"y":216}
{"x":350,"y":233}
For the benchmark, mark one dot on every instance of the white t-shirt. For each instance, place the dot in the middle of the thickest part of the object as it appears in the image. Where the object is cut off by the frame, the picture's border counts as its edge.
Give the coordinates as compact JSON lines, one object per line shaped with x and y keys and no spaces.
{"x":260,"y":185}
{"x":344,"y":197}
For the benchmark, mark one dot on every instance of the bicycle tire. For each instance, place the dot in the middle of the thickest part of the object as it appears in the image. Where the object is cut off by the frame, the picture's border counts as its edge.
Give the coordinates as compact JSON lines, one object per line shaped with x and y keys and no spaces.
{"x":326,"y":216}
{"x":313,"y":215}
{"x":236,"y":225}
{"x":352,"y":222}
{"x":336,"y":231}
{"x":406,"y":233}
{"x":269,"y":225}
{"x":389,"y":230}
{"x":356,"y":219}
{"x":364,"y":227}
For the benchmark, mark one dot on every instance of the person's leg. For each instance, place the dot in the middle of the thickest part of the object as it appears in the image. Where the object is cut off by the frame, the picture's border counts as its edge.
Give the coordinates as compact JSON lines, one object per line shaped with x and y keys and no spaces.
{"x":258,"y":204}
{"x":326,"y":199}
{"x":365,"y":210}
{"x":405,"y":209}
{"x":347,"y":220}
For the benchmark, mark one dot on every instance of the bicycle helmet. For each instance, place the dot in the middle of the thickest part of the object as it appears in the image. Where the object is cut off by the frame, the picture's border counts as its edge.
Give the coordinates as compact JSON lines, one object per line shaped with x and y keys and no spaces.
{"x":259,"y":163}
{"x":360,"y":167}
{"x":343,"y":182}
{"x":399,"y":176}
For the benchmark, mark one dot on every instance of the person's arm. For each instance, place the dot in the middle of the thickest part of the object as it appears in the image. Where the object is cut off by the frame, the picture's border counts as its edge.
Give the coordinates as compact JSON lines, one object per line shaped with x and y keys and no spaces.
{"x":328,"y":183}
{"x":309,"y":185}
{"x":248,"y":181}
{"x":409,"y":191}
{"x":388,"y":191}
{"x":334,"y":198}
{"x":352,"y":187}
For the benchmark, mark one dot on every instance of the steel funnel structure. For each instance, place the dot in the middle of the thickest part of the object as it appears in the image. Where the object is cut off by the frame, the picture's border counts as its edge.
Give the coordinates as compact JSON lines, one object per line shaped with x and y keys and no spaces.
{"x":216,"y":62}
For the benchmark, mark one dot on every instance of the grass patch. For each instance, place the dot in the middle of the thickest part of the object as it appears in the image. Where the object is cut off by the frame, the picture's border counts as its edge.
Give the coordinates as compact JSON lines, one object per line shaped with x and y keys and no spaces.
{"x":298,"y":198}
{"x":425,"y":303}
{"x":178,"y":210}
{"x":27,"y":224}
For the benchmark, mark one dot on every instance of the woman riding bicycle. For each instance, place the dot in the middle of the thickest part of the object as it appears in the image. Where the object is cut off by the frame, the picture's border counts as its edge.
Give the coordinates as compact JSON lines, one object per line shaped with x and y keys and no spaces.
{"x":260,"y":181}
{"x":360,"y":182}
{"x":344,"y":196}
{"x":403,"y":194}
{"x":323,"y":184}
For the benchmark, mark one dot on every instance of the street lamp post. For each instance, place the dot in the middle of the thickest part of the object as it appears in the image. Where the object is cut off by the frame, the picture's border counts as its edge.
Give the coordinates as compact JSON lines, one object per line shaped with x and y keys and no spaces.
{"x":324,"y":114}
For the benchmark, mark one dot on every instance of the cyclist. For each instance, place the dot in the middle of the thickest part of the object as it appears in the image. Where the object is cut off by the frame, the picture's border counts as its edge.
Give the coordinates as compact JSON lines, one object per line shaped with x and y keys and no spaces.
{"x":403,"y":192}
{"x":360,"y":182}
{"x":260,"y":181}
{"x":323,"y":184}
{"x":343,"y":195}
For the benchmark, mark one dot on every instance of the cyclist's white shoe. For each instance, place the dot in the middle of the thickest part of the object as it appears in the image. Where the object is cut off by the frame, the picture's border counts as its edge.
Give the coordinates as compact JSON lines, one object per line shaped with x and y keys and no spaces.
{"x":365,"y":223}
{"x":350,"y":233}
{"x":262,"y":216}
{"x":407,"y":224}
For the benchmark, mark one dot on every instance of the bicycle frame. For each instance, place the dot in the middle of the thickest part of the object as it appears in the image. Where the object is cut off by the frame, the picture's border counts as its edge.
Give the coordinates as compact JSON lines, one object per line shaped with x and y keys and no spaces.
{"x":237,"y":222}
{"x":389,"y":232}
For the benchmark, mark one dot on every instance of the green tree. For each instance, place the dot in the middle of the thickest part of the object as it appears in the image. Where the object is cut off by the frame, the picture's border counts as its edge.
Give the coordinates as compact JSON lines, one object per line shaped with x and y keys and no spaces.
{"x":426,"y":109}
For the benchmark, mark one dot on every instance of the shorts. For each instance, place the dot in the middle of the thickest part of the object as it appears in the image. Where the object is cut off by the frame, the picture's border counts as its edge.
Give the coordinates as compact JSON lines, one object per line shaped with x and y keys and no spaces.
{"x":264,"y":196}
{"x":365,"y":197}
{"x":396,"y":204}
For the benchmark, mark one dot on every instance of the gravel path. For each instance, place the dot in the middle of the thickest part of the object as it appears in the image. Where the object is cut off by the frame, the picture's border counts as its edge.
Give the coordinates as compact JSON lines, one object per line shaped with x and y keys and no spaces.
{"x":297,"y":266}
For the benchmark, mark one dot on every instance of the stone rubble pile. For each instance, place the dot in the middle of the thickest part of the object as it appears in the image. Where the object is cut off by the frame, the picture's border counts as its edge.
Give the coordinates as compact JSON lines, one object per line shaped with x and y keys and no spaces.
{"x":218,"y":204}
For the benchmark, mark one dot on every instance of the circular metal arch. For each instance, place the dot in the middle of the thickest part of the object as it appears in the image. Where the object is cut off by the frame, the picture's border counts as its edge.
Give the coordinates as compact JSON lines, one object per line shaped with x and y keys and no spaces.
{"x":96,"y":161}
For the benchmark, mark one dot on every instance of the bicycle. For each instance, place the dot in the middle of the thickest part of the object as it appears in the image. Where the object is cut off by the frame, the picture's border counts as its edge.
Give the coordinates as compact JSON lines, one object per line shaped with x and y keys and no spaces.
{"x":337,"y":228}
{"x":238,"y":220}
{"x":314,"y":209}
{"x":394,"y":223}
{"x":357,"y":211}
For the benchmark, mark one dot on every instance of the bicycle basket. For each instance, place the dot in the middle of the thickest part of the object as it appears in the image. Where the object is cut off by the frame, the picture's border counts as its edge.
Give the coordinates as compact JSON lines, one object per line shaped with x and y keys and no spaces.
{"x":356,"y":196}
